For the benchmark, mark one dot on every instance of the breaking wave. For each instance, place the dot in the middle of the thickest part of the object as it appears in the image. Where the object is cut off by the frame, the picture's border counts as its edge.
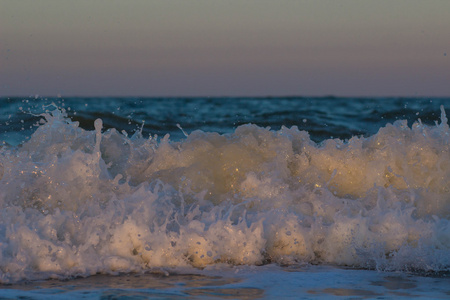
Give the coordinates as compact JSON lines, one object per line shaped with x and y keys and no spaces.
{"x":78,"y":202}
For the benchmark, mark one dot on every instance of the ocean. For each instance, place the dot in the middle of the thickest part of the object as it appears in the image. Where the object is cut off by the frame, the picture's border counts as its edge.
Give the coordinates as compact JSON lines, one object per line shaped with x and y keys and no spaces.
{"x":224,"y":198}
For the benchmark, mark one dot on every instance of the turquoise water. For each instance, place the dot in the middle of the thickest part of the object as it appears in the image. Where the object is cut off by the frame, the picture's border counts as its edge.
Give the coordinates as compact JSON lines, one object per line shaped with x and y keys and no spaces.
{"x":241,"y":282}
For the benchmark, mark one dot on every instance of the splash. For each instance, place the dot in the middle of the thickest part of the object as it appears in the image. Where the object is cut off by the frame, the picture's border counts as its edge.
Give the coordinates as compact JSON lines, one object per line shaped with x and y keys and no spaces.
{"x":76,"y":202}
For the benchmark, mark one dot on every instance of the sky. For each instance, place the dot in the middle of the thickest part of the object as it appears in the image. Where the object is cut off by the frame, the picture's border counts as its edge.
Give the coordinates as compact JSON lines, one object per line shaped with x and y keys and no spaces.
{"x":225,"y":48}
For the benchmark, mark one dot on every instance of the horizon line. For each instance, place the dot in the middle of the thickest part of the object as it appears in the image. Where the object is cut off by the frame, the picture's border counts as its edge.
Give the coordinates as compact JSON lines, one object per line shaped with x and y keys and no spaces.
{"x":37,"y":96}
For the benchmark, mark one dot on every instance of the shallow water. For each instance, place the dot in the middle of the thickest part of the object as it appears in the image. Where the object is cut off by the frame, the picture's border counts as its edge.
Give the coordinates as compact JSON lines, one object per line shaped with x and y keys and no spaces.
{"x":241,"y":282}
{"x":132,"y":185}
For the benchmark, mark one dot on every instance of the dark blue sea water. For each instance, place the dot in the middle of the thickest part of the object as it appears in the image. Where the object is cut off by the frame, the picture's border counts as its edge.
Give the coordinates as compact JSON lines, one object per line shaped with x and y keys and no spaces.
{"x":224,"y":197}
{"x":323,"y":118}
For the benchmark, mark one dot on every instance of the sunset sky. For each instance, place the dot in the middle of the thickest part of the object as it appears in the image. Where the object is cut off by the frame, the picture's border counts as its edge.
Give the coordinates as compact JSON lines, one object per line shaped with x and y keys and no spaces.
{"x":224,"y":48}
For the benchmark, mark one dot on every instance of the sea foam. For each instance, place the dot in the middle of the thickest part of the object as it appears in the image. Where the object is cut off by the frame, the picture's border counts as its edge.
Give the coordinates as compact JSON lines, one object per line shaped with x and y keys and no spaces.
{"x":76,"y":202}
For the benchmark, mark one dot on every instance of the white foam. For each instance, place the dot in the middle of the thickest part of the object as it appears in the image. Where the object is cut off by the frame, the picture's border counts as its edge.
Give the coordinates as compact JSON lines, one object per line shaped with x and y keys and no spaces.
{"x":77,"y":202}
